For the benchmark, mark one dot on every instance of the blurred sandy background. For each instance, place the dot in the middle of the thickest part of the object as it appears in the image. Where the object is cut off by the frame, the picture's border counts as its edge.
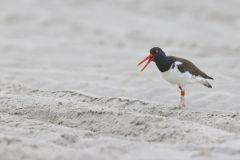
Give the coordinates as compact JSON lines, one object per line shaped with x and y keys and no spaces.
{"x":54,"y":54}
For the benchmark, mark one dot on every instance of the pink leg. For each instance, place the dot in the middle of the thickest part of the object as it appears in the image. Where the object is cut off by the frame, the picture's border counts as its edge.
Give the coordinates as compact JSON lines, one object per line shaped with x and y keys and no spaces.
{"x":182,"y":99}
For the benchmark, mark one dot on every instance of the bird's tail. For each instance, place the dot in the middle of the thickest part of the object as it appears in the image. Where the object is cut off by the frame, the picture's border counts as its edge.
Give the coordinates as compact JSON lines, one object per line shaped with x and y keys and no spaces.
{"x":206,"y":83}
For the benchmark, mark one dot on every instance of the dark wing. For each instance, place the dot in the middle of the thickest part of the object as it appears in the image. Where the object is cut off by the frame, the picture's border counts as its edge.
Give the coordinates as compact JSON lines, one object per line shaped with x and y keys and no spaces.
{"x":190,"y":67}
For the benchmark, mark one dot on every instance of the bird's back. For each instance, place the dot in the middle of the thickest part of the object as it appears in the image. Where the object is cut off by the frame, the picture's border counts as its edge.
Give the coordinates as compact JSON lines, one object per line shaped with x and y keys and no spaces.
{"x":190,"y":67}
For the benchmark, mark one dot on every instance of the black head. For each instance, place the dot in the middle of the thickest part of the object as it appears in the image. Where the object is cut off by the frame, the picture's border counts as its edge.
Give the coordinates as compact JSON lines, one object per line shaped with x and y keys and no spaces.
{"x":156,"y":51}
{"x":156,"y":54}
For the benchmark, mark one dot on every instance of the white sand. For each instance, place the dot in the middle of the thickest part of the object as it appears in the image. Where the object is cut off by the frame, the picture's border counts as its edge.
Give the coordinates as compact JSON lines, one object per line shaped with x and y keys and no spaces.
{"x":70,"y":89}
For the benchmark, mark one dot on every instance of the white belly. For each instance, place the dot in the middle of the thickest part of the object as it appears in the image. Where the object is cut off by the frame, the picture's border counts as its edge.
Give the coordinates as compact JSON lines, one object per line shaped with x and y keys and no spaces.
{"x":174,"y":76}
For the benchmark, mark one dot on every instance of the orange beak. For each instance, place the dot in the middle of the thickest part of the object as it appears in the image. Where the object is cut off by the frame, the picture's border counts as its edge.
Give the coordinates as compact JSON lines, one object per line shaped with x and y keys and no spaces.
{"x":149,"y":58}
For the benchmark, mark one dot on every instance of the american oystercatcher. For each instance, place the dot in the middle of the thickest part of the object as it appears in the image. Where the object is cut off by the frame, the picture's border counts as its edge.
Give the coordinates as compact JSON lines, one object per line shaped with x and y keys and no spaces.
{"x":177,"y":71}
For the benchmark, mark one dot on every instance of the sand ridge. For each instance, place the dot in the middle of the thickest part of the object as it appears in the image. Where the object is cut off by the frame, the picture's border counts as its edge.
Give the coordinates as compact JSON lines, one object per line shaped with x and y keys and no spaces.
{"x":37,"y":113}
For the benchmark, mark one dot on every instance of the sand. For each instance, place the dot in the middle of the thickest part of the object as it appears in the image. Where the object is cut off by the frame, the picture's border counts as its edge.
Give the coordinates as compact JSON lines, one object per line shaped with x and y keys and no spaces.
{"x":70,"y":87}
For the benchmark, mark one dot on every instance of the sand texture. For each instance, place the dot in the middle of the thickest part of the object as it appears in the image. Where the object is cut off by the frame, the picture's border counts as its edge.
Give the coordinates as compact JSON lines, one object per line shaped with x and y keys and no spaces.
{"x":70,"y":88}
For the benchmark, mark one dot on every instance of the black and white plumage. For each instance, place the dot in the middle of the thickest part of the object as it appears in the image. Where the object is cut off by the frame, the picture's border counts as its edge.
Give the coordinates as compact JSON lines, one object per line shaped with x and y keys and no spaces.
{"x":177,"y":71}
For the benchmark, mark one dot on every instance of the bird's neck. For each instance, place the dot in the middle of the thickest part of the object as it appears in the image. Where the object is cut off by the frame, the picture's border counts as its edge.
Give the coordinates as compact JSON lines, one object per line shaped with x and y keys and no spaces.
{"x":163,"y":63}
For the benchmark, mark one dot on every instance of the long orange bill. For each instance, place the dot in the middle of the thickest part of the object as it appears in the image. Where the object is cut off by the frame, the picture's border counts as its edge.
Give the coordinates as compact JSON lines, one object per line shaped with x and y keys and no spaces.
{"x":149,"y":58}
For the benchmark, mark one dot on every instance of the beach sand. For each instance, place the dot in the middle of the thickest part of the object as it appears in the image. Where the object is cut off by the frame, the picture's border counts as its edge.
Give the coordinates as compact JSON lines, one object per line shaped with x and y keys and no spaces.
{"x":70,"y":87}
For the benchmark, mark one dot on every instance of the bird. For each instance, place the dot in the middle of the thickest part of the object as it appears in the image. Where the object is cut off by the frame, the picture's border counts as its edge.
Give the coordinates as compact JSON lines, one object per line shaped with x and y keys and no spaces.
{"x":177,"y":71}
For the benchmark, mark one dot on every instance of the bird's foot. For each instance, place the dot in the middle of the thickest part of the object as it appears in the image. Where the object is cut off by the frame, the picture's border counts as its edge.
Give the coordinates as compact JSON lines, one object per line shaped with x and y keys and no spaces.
{"x":182,"y":102}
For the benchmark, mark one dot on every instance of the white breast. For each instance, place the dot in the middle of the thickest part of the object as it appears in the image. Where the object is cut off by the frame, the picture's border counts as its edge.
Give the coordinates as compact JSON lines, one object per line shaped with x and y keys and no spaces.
{"x":174,"y":76}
